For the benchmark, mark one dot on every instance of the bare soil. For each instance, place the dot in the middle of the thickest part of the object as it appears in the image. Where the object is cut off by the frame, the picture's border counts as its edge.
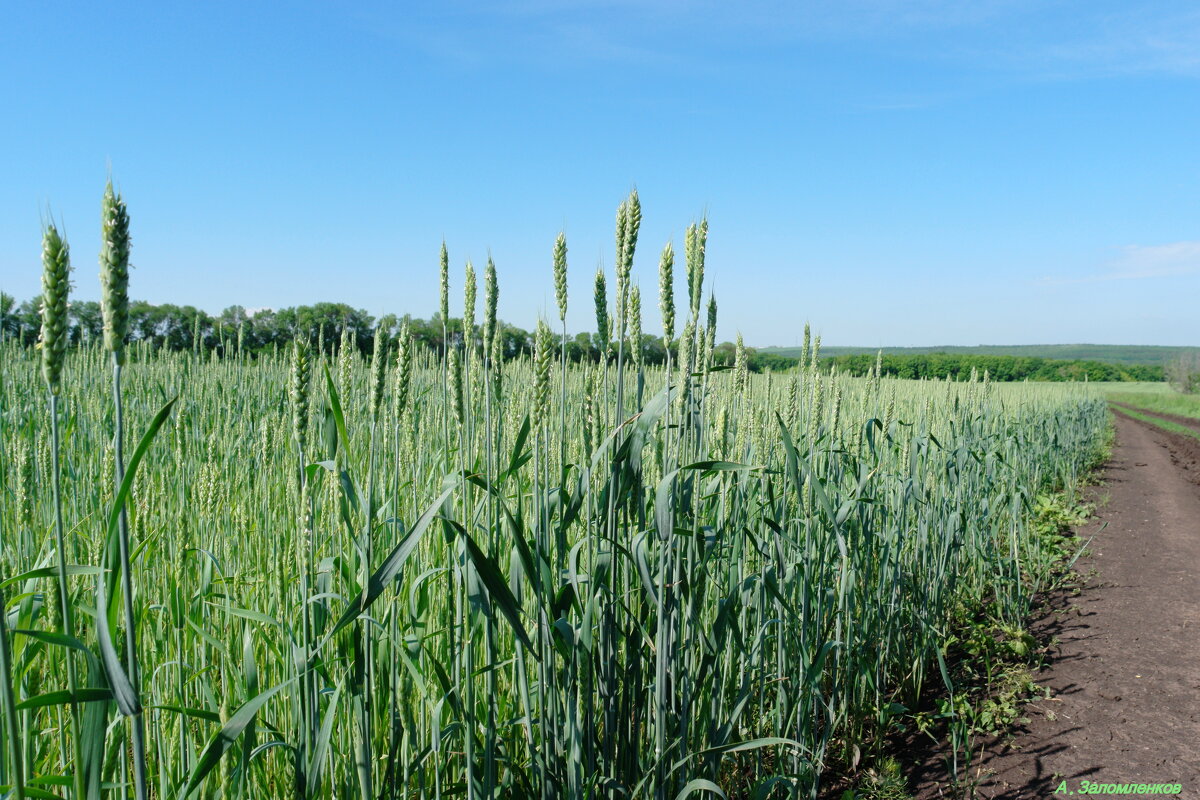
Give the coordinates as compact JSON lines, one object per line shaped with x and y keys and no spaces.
{"x":1124,"y":674}
{"x":1187,"y":422}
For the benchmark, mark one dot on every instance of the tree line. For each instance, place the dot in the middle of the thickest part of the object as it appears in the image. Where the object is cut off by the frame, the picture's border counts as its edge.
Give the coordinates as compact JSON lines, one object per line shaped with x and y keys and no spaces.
{"x":999,"y":368}
{"x":238,"y":330}
{"x":323,"y":324}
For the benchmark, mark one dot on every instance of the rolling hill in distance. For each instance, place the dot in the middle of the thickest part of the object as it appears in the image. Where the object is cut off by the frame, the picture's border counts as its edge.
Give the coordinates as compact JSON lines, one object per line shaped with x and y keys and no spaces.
{"x":1156,"y":355}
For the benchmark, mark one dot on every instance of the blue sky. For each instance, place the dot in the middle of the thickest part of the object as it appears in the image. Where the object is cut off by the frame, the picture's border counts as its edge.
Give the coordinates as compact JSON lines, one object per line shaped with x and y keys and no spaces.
{"x":898,"y":173}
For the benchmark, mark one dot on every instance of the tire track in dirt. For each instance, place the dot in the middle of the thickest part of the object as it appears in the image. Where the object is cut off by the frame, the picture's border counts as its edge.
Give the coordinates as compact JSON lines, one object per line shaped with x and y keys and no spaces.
{"x":1187,"y":422}
{"x":1184,"y":450}
{"x":1125,"y":675}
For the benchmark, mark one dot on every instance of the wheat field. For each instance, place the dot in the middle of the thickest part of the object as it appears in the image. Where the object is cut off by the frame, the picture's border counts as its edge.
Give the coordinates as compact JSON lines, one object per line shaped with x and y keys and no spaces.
{"x":318,"y":573}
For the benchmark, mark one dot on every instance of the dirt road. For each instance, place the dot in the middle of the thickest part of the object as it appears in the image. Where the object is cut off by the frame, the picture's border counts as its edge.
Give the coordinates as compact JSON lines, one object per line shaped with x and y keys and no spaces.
{"x":1187,"y":422}
{"x":1125,"y":678}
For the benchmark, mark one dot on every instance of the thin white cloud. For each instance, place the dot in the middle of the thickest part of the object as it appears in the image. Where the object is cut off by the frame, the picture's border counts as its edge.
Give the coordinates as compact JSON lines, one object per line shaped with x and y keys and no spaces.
{"x":1140,"y":262}
{"x":1153,"y":41}
{"x":907,"y":102}
{"x":1028,"y":39}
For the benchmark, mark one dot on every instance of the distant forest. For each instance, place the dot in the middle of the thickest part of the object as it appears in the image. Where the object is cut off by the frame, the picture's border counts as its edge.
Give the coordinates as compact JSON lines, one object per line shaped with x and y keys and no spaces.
{"x":1159,"y":355}
{"x":322,"y":324}
{"x":999,"y":368}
